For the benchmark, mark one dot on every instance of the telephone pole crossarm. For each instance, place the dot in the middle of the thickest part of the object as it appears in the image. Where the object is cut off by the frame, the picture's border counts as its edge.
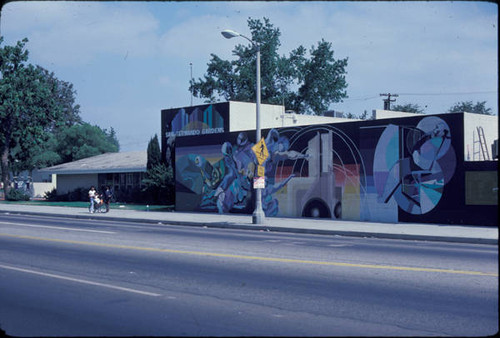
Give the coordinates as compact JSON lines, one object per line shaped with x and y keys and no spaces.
{"x":387,"y":102}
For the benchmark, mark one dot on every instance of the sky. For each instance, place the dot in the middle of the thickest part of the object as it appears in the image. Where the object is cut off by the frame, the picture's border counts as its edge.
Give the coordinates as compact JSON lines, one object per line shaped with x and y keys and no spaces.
{"x":128,"y":60}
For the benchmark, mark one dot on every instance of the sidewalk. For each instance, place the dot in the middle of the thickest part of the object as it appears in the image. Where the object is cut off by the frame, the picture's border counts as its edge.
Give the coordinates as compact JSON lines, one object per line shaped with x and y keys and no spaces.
{"x":407,"y":231}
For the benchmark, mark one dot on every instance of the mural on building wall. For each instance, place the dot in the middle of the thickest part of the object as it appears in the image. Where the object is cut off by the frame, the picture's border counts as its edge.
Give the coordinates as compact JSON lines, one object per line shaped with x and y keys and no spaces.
{"x":197,"y":120}
{"x":413,"y":164}
{"x":305,"y":175}
{"x":191,"y":121}
{"x":367,"y":170}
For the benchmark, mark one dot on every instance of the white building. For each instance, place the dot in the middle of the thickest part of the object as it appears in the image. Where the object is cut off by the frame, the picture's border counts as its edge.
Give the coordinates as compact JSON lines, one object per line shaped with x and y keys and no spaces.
{"x":124,"y":171}
{"x":242,"y":117}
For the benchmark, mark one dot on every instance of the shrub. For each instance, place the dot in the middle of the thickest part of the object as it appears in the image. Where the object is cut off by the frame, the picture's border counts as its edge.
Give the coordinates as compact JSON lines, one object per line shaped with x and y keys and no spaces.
{"x":79,"y":194}
{"x":51,"y":195}
{"x":76,"y":195}
{"x":17,"y":195}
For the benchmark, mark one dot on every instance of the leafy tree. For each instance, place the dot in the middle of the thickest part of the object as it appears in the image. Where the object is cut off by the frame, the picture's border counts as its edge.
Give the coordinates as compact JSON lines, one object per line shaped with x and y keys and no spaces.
{"x":64,"y":95}
{"x":364,"y":116}
{"x":40,"y":124}
{"x":408,"y":108}
{"x":306,"y":85}
{"x":469,"y":107}
{"x":28,"y":108}
{"x":159,"y":178}
{"x":81,"y":141}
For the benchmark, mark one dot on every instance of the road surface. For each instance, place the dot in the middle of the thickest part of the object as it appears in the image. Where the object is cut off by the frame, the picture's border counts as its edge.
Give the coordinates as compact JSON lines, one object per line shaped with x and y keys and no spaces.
{"x":69,"y":277}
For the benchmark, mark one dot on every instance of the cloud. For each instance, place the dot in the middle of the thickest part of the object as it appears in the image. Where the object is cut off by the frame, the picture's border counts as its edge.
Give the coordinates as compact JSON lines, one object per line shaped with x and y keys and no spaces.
{"x":75,"y":33}
{"x":136,"y":54}
{"x":197,"y":37}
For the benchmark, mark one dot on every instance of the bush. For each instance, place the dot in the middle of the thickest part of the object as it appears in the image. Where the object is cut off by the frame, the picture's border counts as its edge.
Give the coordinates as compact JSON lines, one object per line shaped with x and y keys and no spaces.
{"x":76,"y":195}
{"x":17,"y":195}
{"x":51,"y":195}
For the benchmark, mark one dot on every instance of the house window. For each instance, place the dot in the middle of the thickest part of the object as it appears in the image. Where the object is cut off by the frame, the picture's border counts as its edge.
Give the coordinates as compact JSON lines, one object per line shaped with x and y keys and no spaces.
{"x":130,"y":179}
{"x":137,"y":179}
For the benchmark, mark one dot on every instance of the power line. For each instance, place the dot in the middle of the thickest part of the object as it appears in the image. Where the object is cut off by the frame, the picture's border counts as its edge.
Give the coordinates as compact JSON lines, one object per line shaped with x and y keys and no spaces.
{"x":362,"y":98}
{"x":456,"y":93}
{"x":421,"y":94}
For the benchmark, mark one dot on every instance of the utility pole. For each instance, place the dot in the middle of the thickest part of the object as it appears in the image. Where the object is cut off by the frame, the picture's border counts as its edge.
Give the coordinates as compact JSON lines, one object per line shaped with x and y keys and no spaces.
{"x":387,"y":102}
{"x":191,"y":66}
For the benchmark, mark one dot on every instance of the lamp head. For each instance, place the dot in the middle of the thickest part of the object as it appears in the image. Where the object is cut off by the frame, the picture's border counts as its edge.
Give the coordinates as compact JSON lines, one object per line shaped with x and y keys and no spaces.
{"x":228,"y":34}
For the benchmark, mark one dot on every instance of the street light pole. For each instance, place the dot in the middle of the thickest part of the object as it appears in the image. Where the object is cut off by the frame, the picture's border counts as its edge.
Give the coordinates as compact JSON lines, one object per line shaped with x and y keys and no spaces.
{"x":258,"y":215}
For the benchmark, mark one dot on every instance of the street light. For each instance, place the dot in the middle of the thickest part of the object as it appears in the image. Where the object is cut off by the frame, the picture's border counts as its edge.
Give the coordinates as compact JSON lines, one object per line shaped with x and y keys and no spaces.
{"x":258,"y":214}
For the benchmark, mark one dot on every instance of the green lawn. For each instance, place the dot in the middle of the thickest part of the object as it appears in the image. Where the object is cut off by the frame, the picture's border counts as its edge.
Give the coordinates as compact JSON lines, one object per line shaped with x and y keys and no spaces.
{"x":123,"y":206}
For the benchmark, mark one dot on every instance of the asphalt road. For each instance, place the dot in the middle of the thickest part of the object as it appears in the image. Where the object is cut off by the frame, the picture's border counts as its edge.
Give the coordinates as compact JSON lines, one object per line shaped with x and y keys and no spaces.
{"x":68,"y":277}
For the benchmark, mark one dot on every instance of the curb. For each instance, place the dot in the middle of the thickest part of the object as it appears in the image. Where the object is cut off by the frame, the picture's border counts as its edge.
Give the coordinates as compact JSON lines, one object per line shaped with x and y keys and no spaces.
{"x":240,"y":226}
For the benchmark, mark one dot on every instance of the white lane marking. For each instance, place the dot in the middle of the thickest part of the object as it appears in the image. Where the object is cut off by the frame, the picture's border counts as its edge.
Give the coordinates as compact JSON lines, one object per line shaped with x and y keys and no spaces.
{"x":56,"y":228}
{"x":82,"y":281}
{"x":100,"y":220}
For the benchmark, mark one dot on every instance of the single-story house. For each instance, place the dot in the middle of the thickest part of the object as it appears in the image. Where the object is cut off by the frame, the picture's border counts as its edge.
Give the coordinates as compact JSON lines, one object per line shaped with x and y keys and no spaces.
{"x":122,"y":172}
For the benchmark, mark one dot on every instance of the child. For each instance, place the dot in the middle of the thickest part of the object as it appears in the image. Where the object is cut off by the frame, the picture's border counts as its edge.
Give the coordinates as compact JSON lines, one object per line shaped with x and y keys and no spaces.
{"x":97,"y":203}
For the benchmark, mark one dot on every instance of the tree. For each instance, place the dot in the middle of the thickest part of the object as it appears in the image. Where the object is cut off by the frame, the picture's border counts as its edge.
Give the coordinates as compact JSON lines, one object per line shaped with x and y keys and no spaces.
{"x":83,"y":140}
{"x":154,"y":152}
{"x":408,"y":108}
{"x":40,"y":121}
{"x":469,"y":107}
{"x":306,"y":85}
{"x":28,"y":108}
{"x":159,"y":178}
{"x":364,"y":116}
{"x":64,"y":94}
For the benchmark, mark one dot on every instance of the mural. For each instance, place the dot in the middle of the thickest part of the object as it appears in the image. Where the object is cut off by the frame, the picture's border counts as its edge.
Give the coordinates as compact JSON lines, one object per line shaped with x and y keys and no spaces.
{"x":191,"y":121}
{"x":305,"y":175}
{"x":413,"y":164}
{"x":222,"y":176}
{"x":198,"y":120}
{"x":385,"y":170}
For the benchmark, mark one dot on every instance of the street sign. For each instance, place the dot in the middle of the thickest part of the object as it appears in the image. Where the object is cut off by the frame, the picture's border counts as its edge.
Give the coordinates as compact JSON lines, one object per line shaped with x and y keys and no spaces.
{"x":259,"y":182}
{"x":260,"y":151}
{"x":261,"y":172}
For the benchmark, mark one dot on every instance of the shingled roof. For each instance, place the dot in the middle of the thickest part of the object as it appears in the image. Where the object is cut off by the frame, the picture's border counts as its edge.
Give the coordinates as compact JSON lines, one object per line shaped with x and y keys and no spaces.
{"x":126,"y":162}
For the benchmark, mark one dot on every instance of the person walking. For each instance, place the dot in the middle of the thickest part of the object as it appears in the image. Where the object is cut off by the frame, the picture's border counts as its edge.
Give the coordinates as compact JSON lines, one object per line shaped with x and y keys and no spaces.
{"x":107,"y":197}
{"x":92,"y":195}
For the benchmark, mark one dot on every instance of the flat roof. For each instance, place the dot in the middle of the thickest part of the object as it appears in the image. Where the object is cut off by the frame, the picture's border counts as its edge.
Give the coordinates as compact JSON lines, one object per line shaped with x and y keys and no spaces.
{"x":126,"y":162}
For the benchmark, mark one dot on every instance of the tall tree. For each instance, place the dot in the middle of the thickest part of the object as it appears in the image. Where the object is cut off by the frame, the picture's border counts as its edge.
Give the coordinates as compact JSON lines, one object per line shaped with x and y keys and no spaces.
{"x":154,"y":152}
{"x":159,"y":179}
{"x":408,"y":108}
{"x":306,"y":85}
{"x":48,"y":152}
{"x":64,"y":94}
{"x":27,"y":107}
{"x":40,"y":121}
{"x":470,"y":107}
